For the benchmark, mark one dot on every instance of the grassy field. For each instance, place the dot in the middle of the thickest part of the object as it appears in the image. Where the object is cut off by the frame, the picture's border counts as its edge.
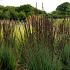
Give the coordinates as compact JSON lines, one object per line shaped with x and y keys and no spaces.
{"x":38,"y":44}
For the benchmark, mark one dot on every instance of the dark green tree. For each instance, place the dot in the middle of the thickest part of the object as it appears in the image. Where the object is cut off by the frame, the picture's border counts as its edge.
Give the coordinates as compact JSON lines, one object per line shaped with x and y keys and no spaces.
{"x":10,"y":12}
{"x":64,"y":8}
{"x":6,"y":15}
{"x":21,"y":15}
{"x":1,"y":14}
{"x":28,"y":9}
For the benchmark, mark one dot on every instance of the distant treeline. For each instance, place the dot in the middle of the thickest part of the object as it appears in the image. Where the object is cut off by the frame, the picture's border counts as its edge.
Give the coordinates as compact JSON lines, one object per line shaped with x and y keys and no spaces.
{"x":63,"y":10}
{"x":19,"y":13}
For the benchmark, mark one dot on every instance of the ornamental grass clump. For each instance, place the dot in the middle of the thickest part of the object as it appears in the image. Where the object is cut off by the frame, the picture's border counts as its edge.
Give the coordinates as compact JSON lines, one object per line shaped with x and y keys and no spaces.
{"x":7,"y":59}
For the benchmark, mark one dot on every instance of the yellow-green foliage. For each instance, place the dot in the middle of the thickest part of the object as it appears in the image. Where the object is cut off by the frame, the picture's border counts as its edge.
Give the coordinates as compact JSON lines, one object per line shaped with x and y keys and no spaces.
{"x":19,"y":31}
{"x":1,"y":32}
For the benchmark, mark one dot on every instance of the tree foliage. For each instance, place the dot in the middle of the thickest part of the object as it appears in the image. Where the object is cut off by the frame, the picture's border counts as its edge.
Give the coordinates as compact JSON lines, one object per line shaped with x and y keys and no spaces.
{"x":62,"y":10}
{"x":10,"y":12}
